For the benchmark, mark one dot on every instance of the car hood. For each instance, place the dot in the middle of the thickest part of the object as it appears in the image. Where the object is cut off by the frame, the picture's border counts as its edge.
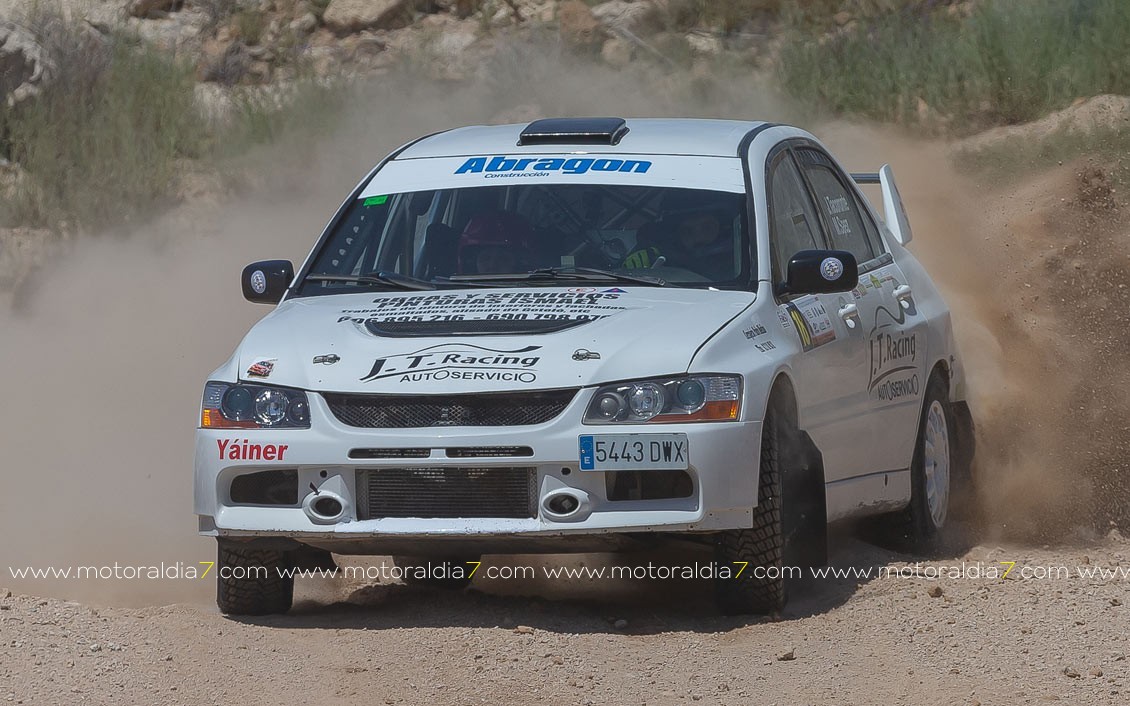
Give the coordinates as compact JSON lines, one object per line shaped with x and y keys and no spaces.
{"x":502,"y":339}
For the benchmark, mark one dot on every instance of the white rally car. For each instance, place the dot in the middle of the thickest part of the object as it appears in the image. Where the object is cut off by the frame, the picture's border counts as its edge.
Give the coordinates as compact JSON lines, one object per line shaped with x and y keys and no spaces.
{"x":586,"y":335}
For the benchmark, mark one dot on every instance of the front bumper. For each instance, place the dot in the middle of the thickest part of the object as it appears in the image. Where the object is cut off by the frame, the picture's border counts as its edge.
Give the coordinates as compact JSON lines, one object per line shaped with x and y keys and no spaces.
{"x":723,"y":470}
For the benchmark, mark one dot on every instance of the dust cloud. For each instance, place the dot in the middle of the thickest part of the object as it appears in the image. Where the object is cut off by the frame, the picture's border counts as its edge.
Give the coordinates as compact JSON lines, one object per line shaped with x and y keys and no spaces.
{"x":1035,"y":273}
{"x":106,"y":352}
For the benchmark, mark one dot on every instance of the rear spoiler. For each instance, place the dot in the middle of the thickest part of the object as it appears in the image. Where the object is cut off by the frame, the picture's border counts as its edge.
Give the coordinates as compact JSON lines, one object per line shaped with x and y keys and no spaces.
{"x":894,"y":213}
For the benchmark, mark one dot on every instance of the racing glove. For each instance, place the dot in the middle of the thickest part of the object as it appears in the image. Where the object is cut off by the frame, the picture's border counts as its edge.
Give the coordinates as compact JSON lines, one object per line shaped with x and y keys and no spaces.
{"x":641,"y":259}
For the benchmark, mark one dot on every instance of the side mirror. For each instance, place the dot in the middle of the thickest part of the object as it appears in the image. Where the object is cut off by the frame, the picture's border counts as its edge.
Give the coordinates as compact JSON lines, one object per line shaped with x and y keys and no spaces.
{"x":820,"y":272}
{"x":265,"y":282}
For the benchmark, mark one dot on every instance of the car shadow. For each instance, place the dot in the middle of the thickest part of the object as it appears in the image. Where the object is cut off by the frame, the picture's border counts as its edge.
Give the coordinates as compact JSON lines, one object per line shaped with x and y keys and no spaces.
{"x":640,"y":606}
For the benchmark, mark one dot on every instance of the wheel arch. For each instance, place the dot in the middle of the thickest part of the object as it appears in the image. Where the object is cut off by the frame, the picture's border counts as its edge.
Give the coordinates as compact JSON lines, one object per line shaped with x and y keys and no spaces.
{"x":782,"y":388}
{"x":805,"y":517}
{"x":942,"y":369}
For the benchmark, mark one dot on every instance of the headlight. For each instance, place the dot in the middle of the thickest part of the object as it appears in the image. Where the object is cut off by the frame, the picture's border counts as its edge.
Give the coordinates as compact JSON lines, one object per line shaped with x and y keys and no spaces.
{"x":694,"y":398}
{"x":239,"y":406}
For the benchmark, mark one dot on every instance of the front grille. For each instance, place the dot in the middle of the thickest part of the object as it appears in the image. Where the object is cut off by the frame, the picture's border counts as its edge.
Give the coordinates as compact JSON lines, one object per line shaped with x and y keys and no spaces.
{"x":488,"y":451}
{"x":447,"y":493}
{"x":414,"y":411}
{"x":390,"y":453}
{"x":472,"y":327}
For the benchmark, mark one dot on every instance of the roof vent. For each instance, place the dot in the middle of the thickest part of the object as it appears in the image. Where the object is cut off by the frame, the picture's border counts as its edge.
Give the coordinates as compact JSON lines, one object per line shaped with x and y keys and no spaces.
{"x":574,"y":131}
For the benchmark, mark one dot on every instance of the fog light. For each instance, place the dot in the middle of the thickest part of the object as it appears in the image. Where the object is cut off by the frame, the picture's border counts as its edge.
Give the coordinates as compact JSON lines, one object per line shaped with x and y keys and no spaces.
{"x":563,"y":504}
{"x":327,"y":507}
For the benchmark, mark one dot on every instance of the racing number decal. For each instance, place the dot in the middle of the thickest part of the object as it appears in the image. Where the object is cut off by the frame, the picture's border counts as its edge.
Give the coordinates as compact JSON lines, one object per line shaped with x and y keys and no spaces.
{"x":801,"y":327}
{"x":811,"y":321}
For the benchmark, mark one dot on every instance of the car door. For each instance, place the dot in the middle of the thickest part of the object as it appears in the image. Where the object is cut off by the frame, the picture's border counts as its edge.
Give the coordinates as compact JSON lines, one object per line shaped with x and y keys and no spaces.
{"x":829,"y":367}
{"x":891,"y":382}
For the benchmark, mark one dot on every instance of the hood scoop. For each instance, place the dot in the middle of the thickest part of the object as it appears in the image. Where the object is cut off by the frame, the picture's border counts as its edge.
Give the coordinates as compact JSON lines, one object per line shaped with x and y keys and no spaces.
{"x":474,"y":327}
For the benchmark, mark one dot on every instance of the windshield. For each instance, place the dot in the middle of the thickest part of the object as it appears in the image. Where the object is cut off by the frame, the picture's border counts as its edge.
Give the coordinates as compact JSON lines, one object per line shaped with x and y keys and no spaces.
{"x":498,"y":235}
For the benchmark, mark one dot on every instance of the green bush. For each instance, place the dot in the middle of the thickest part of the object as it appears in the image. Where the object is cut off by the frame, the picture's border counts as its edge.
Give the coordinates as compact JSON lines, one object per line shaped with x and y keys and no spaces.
{"x":305,"y":109}
{"x":1009,"y":61}
{"x":100,"y":142}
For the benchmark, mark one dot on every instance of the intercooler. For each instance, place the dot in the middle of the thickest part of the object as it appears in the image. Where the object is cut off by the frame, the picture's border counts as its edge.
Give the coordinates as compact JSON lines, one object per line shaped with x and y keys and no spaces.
{"x":447,"y":493}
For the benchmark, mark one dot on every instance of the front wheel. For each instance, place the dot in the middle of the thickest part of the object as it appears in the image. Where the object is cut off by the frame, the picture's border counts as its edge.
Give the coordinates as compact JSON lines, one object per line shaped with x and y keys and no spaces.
{"x":759,"y":550}
{"x":251,"y":581}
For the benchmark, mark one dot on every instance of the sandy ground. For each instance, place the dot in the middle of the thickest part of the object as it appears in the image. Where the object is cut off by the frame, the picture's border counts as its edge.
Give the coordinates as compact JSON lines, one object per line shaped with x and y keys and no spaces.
{"x":914,"y":638}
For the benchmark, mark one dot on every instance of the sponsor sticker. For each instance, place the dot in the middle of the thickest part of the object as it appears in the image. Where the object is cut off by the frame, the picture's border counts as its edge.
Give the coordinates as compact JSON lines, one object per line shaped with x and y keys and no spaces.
{"x":893,"y":365}
{"x":244,"y":450}
{"x":831,"y":268}
{"x":458,"y":361}
{"x":581,"y":304}
{"x":261,"y":369}
{"x":258,"y":282}
{"x":499,"y":166}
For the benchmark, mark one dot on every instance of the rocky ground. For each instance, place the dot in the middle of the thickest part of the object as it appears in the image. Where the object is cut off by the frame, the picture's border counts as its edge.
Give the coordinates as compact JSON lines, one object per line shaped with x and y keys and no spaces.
{"x":250,"y":42}
{"x":913,"y":640}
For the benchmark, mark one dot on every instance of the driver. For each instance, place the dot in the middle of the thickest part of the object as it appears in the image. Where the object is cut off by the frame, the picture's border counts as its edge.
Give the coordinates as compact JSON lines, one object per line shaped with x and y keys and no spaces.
{"x":694,"y":234}
{"x":496,"y":242}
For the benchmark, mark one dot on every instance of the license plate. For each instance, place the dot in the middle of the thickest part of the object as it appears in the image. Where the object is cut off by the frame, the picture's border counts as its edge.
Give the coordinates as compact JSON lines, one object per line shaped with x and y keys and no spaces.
{"x":631,"y":452}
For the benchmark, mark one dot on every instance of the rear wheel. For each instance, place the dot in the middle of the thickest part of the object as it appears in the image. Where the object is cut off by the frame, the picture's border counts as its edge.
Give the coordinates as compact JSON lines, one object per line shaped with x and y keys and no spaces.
{"x":758,"y":551}
{"x":251,"y":581}
{"x":932,"y":471}
{"x":451,"y":574}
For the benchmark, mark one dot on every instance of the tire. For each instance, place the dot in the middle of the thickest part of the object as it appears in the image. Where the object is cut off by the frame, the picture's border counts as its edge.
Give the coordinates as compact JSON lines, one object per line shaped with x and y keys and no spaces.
{"x":762,"y":545}
{"x":260,"y":589}
{"x":459,"y":581}
{"x":932,"y":472}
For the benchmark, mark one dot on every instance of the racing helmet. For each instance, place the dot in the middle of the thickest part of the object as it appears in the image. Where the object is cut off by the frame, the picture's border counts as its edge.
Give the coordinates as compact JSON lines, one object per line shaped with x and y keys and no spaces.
{"x":497,"y":229}
{"x":678,"y":205}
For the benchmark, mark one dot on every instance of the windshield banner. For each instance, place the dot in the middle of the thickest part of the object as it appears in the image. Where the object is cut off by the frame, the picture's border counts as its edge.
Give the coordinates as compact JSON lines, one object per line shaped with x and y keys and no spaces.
{"x":712,"y":173}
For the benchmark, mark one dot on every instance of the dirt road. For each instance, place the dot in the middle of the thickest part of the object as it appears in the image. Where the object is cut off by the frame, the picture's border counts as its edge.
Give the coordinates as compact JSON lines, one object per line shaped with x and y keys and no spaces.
{"x":904,"y":638}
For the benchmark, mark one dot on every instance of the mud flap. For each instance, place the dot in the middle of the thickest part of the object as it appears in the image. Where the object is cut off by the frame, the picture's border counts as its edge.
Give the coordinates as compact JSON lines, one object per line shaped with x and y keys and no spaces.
{"x":965,"y":443}
{"x":805,"y":521}
{"x":964,"y":483}
{"x":311,"y":559}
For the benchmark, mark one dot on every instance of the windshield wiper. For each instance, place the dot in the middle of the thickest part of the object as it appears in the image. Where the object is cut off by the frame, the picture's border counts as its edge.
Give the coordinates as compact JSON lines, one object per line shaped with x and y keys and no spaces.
{"x":573,"y":273}
{"x":386,"y":278}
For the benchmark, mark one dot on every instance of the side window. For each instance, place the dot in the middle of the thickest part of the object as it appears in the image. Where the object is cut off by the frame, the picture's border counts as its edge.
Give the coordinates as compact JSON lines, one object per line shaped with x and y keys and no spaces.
{"x":870,"y":228}
{"x":849,"y":228}
{"x":794,"y":225}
